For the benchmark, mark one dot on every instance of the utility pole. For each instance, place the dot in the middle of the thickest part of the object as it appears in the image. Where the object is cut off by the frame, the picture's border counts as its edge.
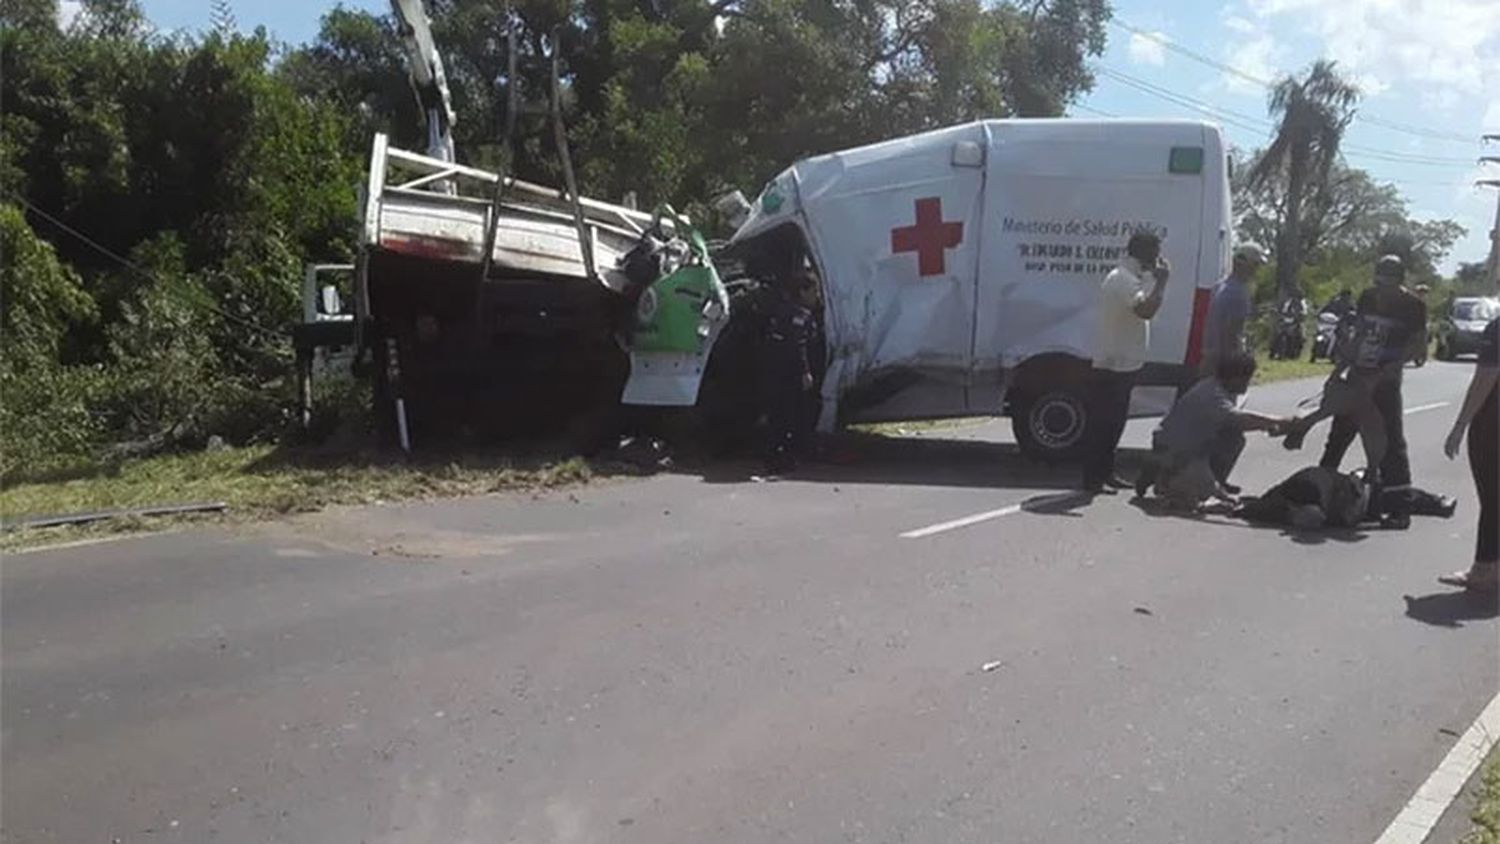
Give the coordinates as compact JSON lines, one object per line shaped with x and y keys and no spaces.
{"x":1492,"y":266}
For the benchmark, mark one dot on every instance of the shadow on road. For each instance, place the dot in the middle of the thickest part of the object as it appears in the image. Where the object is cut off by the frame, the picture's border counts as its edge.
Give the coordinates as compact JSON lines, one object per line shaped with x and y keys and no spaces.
{"x":919,"y":461}
{"x":1452,"y":608}
{"x":1156,"y":508}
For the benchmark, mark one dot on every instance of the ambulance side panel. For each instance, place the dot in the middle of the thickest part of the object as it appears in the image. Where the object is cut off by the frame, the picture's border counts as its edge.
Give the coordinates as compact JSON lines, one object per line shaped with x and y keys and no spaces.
{"x":894,"y":234}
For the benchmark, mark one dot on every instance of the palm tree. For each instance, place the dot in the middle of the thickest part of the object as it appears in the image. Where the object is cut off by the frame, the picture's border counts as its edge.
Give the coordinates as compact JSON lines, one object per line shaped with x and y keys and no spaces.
{"x":1314,"y":113}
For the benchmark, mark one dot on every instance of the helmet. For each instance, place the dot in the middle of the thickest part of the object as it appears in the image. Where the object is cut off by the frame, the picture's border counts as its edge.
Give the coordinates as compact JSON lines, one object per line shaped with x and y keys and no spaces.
{"x":1390,"y":270}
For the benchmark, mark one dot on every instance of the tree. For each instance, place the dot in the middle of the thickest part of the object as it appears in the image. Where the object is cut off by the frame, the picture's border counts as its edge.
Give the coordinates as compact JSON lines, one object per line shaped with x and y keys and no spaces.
{"x":1352,"y":212}
{"x":1314,"y":112}
{"x":677,"y":101}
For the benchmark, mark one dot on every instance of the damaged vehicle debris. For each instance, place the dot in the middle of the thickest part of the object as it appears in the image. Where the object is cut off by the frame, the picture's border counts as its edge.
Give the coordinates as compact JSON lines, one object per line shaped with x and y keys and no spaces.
{"x":955,"y":274}
{"x":486,"y":304}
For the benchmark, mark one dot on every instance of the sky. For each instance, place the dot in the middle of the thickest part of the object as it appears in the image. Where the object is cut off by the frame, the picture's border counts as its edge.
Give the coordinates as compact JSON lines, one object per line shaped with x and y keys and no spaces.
{"x":1429,"y":69}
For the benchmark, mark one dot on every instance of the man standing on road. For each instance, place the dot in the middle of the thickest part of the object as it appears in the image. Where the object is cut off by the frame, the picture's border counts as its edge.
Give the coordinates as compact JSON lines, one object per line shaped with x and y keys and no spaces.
{"x":1229,"y":310}
{"x":1128,"y":300}
{"x":1386,"y":300}
{"x":1389,"y":326}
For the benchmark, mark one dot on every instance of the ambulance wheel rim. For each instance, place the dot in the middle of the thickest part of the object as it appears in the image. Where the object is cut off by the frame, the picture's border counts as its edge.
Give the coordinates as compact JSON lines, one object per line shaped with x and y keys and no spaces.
{"x":1057,"y":421}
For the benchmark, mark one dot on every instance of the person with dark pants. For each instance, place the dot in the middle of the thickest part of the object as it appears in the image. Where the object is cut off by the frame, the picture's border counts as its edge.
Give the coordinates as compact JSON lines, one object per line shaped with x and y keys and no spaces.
{"x":1109,"y":410}
{"x":1129,"y":298}
{"x":784,"y":376}
{"x":1480,"y":415}
{"x":1395,"y":468}
{"x":1365,"y":389}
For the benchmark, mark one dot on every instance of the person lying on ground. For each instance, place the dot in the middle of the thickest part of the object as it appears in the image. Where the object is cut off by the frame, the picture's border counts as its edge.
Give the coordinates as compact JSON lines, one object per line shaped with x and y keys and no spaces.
{"x":1315,"y":497}
{"x":1195,"y":448}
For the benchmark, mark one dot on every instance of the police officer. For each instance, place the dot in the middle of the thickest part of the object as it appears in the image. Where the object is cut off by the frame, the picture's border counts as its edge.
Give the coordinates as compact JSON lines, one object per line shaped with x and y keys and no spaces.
{"x":1395,"y":321}
{"x":784,"y":374}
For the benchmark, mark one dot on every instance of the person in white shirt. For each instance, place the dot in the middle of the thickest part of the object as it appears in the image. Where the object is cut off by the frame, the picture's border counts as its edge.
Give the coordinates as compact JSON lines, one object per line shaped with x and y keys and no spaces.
{"x":1128,"y":300}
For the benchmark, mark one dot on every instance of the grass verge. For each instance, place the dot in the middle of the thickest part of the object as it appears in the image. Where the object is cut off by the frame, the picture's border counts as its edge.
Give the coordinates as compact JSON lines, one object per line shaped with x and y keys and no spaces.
{"x":261,"y":481}
{"x":1486,"y":814}
{"x":1269,"y":370}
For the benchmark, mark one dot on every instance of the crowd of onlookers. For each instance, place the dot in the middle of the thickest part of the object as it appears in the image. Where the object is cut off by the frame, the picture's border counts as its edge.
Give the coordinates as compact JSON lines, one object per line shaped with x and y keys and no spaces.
{"x":1195,"y":447}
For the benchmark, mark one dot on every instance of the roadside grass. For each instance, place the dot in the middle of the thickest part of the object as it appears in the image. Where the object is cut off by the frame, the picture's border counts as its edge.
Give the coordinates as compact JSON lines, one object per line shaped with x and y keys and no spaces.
{"x":1269,"y":371}
{"x":262,"y":481}
{"x":1486,"y":814}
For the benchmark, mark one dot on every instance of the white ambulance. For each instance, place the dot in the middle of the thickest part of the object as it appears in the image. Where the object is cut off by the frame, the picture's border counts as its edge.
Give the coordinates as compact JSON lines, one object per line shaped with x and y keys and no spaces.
{"x":960,"y":268}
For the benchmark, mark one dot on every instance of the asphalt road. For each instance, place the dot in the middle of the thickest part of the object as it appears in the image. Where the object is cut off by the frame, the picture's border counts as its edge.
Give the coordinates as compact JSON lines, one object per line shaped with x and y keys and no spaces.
{"x":690,"y":659}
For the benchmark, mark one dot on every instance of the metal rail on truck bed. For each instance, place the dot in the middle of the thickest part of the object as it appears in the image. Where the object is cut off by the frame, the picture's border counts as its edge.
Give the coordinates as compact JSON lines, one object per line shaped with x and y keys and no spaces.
{"x":535,"y":232}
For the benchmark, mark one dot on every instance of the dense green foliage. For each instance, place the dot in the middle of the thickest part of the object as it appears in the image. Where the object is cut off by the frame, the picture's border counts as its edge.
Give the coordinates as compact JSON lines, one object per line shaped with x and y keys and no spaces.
{"x":159,"y":194}
{"x":179,"y":185}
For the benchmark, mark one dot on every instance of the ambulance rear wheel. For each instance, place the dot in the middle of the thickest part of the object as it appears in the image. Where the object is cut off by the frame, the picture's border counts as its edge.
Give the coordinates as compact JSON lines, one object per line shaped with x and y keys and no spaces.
{"x":1050,"y":425}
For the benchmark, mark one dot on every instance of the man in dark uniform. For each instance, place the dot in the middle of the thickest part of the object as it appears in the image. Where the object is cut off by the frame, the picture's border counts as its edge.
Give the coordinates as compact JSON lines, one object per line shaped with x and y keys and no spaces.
{"x":1390,"y":322}
{"x":1387,"y":300}
{"x":784,"y":376}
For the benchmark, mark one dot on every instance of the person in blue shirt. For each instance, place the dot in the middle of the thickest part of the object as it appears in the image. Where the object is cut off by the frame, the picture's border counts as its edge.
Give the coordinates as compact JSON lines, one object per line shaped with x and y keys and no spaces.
{"x":1230,"y":309}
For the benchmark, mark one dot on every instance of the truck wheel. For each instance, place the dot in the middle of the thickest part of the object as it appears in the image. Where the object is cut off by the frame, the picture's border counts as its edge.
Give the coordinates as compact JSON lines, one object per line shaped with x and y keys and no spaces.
{"x":1050,"y":425}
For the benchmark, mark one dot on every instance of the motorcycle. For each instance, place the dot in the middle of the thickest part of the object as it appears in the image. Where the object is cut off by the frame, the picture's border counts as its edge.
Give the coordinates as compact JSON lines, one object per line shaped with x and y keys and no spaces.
{"x":1288,"y":337}
{"x":1326,"y":337}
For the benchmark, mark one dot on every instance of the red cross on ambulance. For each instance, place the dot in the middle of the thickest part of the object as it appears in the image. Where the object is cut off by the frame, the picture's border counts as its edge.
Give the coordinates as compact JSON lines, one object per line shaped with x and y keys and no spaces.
{"x":930,"y":237}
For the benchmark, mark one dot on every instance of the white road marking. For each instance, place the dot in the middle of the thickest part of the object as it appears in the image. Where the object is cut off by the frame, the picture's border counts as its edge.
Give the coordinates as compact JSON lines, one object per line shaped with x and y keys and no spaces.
{"x":962,"y":523}
{"x":988,"y":515}
{"x":84,"y":543}
{"x":1425,"y":407}
{"x":1426,"y":807}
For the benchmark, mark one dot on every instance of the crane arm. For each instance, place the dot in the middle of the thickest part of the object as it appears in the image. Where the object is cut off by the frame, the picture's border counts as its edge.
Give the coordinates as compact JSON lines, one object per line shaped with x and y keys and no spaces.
{"x":427,"y":77}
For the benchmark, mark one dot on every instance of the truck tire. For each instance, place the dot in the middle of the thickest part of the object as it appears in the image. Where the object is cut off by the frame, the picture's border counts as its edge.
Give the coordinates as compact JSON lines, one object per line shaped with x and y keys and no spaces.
{"x":1050,"y":425}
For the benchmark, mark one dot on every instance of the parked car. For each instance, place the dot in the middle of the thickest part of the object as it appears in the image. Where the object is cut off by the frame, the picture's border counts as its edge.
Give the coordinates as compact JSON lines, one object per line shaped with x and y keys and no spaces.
{"x":1458,"y":331}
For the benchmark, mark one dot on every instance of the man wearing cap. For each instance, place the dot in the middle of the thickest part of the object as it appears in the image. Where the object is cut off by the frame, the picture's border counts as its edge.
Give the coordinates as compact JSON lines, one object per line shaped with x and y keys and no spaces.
{"x":1402,"y":315}
{"x":1365,"y":388}
{"x":1229,"y":310}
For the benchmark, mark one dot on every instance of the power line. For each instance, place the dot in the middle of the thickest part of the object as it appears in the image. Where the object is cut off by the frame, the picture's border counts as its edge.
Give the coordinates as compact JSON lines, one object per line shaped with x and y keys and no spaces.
{"x":1097,"y":112}
{"x":1392,"y":125}
{"x":1253,"y":124}
{"x":104,"y":250}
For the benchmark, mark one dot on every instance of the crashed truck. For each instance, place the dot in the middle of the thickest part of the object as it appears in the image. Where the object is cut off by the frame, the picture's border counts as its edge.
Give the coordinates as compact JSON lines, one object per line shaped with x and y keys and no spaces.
{"x":485,"y":302}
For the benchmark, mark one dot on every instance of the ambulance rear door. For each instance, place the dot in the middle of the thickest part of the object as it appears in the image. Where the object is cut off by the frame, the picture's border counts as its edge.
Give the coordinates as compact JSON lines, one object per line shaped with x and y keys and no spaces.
{"x":1062,"y":199}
